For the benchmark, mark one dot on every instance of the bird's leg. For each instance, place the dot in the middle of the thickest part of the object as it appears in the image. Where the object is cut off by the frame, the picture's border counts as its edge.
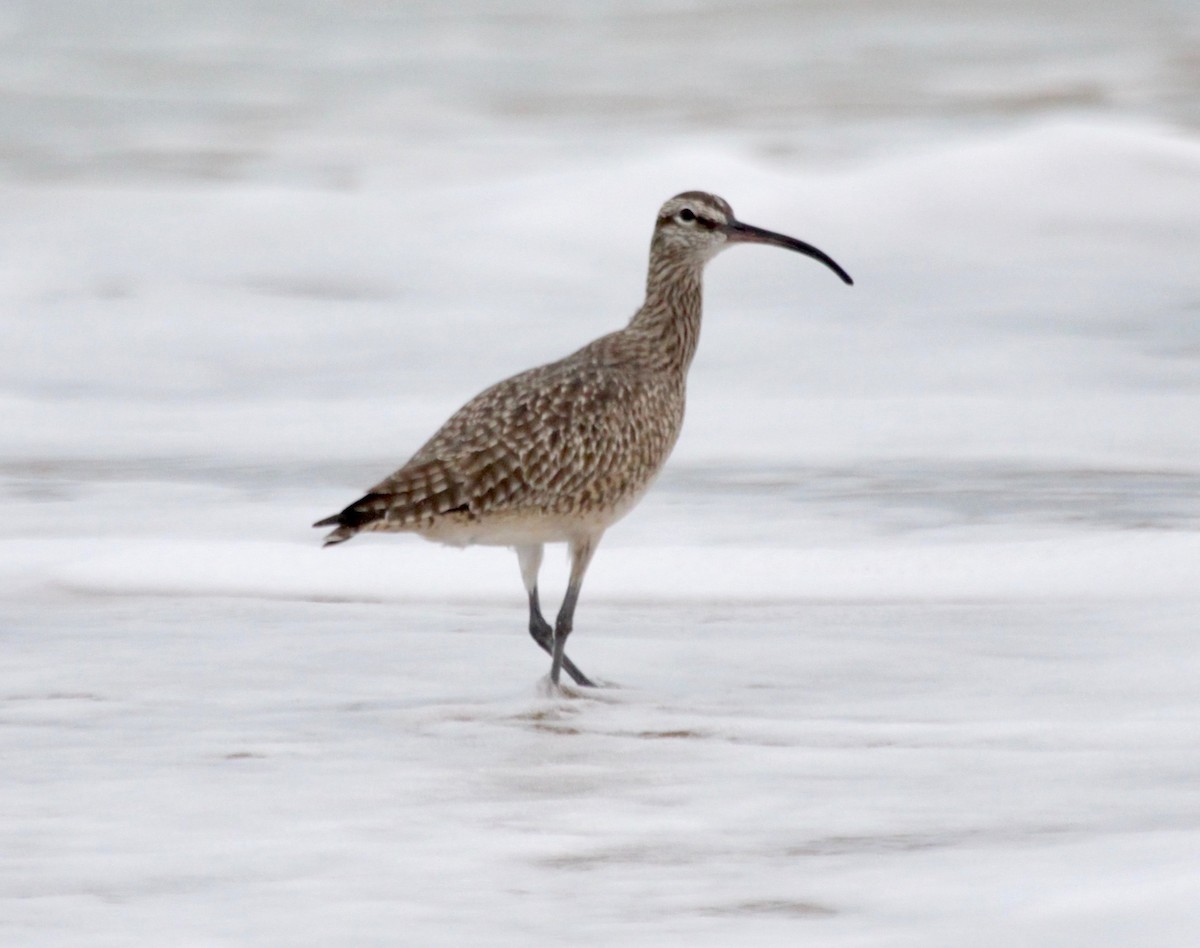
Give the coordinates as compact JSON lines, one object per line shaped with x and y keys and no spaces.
{"x":530,"y":558}
{"x":581,"y":554}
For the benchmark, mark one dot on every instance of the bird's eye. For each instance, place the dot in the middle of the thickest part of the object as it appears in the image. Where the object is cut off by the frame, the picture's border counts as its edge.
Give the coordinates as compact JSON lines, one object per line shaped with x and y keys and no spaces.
{"x":687,"y":215}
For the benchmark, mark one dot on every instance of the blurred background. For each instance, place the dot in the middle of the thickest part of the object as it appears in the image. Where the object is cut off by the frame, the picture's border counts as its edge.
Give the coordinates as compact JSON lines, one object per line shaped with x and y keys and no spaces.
{"x":346,"y":94}
{"x":262,"y":246}
{"x":281,"y":240}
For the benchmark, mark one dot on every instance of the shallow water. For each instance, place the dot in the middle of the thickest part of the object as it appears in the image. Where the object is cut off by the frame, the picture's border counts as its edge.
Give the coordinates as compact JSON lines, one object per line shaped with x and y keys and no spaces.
{"x":854,"y":773}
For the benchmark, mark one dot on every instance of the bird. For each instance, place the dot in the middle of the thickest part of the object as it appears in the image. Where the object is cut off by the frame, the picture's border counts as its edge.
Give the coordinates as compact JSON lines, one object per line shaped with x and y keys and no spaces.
{"x":561,"y":452}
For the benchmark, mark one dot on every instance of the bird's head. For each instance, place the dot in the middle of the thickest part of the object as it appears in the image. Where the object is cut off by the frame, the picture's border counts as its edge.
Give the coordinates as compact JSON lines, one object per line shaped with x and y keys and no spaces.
{"x":696,"y":226}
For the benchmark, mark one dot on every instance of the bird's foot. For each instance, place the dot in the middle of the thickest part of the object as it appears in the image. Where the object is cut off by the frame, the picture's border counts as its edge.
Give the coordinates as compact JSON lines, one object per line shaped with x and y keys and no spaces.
{"x":576,"y":675}
{"x":549,"y":689}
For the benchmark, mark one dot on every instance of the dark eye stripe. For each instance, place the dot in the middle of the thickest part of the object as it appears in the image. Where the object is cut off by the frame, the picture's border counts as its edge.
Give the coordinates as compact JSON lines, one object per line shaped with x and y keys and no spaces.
{"x":704,"y":222}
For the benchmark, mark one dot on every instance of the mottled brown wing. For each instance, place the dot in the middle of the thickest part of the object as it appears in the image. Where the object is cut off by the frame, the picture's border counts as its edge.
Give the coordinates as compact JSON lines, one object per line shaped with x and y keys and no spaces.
{"x":573,"y":436}
{"x":565,"y":438}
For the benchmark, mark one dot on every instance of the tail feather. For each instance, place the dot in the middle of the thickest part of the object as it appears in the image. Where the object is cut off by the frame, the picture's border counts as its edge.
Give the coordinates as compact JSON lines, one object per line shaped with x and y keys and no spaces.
{"x":418,"y":493}
{"x":349,"y":521}
{"x":340,"y":535}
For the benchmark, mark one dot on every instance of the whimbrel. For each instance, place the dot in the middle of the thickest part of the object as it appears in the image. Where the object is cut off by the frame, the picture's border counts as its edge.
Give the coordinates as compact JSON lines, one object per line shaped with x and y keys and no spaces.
{"x":559,"y":453}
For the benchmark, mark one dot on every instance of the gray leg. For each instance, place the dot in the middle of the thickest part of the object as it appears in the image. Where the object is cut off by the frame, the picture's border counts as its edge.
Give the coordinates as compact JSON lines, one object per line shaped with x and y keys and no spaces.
{"x":581,"y":554}
{"x":530,"y":558}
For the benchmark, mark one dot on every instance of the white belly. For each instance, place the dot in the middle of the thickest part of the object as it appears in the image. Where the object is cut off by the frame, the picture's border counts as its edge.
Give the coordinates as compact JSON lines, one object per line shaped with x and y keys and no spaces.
{"x":521,"y":528}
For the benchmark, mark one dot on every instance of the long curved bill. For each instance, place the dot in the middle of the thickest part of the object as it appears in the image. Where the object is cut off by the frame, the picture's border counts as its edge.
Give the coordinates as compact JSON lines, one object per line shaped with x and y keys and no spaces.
{"x":738,"y":233}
